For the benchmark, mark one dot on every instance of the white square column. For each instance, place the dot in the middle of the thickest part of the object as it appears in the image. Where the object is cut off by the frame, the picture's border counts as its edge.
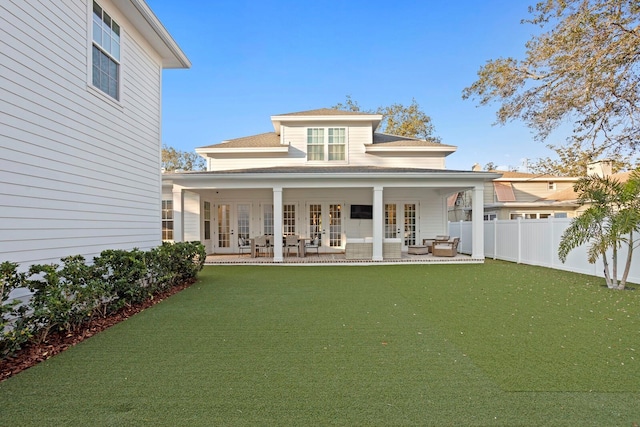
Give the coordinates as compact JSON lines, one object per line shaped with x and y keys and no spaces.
{"x":378,"y":223}
{"x":178,"y":209}
{"x":277,"y":225}
{"x":477,"y":219}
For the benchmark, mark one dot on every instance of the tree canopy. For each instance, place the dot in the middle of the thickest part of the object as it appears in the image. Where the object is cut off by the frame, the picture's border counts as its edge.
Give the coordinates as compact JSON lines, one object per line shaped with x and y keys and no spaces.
{"x":173,"y":159}
{"x":398,"y":119}
{"x":584,"y":68}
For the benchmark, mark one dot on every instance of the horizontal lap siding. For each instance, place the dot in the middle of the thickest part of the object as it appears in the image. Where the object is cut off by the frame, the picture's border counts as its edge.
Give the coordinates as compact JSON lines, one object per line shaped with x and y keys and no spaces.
{"x":78,"y":173}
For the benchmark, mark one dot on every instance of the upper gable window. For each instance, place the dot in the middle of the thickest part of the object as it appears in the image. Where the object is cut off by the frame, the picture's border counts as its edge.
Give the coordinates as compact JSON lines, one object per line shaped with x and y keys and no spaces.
{"x":331,"y":148}
{"x":105,"y":56}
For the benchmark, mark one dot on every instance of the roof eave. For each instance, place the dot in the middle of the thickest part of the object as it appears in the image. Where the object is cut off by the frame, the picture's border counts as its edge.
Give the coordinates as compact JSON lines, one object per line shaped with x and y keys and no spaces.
{"x":372,"y":148}
{"x":243,"y":150}
{"x":277,"y":121}
{"x":146,"y":22}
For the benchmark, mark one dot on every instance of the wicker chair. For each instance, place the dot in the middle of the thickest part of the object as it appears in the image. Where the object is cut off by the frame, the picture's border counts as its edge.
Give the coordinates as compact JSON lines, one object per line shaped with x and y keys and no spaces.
{"x":446,"y":248}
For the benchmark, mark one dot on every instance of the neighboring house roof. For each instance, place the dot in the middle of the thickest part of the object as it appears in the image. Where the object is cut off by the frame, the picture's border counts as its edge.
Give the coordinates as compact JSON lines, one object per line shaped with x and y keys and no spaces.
{"x":451,"y":200}
{"x":523,"y":176}
{"x":566,"y":195}
{"x":146,"y":22}
{"x":504,"y":191}
{"x":389,"y":140}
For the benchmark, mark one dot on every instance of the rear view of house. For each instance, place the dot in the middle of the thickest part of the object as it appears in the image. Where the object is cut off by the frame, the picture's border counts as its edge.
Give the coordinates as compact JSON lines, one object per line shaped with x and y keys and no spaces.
{"x":325,"y":175}
{"x":80,"y":111}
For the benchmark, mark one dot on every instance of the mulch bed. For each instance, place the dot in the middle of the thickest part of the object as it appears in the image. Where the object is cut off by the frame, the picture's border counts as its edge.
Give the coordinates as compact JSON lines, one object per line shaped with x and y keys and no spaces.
{"x":58,"y":342}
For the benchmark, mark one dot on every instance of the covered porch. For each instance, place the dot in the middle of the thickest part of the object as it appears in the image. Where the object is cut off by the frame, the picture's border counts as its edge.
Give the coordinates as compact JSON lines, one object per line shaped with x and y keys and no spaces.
{"x":333,"y":206}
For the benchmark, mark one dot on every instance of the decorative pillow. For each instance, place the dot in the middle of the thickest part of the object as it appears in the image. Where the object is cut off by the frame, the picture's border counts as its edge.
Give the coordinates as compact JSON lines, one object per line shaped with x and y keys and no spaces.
{"x":316,"y":241}
{"x":240,"y":241}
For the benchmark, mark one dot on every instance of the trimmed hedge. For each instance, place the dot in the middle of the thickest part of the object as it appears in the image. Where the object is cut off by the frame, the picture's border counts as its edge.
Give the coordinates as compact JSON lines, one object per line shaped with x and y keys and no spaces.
{"x":69,"y":295}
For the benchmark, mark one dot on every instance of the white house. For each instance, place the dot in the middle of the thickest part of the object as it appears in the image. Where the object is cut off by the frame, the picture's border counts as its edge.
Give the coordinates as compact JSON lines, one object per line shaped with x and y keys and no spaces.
{"x":323,"y":173}
{"x":80,"y":111}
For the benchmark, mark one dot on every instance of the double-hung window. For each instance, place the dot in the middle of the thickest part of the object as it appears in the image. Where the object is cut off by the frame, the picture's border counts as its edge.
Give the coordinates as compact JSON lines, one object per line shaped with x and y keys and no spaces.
{"x":326,"y":144}
{"x":105,"y":53}
{"x":167,"y":220}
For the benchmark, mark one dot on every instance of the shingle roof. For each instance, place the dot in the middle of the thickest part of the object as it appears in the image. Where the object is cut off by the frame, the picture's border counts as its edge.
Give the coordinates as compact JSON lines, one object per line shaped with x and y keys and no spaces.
{"x":504,"y":191}
{"x":514,"y":174}
{"x":268,"y":139}
{"x":564,"y":195}
{"x":326,"y":112}
{"x":388,"y":140}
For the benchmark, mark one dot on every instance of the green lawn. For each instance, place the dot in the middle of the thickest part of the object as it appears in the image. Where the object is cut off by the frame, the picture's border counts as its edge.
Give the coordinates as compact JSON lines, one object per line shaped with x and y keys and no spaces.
{"x":442,"y":345}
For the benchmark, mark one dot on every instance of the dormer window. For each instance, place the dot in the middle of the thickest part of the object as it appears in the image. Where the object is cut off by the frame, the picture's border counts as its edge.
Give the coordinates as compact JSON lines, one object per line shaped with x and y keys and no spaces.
{"x":326,"y":143}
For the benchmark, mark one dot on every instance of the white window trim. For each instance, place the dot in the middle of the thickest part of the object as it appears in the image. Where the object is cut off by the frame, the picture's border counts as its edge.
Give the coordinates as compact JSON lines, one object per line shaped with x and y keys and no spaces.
{"x":326,"y":145}
{"x":90,"y":87}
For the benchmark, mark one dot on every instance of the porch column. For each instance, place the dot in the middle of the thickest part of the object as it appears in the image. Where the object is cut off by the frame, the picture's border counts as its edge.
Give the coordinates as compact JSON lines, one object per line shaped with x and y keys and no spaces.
{"x":378,"y":220}
{"x":477,"y":222}
{"x":178,"y":209}
{"x":277,"y":225}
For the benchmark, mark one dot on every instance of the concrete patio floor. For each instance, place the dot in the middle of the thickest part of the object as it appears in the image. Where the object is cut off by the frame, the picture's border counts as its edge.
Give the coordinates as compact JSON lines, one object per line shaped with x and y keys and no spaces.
{"x":337,"y":259}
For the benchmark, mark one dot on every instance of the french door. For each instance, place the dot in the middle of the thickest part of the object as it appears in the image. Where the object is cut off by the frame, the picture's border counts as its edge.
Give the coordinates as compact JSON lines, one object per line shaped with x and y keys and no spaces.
{"x":325,"y":221}
{"x":233,"y":221}
{"x":401,"y":221}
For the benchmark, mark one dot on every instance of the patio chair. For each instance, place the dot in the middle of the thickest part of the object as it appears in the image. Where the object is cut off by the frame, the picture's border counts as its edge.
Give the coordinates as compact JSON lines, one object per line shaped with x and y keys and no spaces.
{"x":291,"y":241}
{"x":262,"y":245}
{"x":447,"y":248}
{"x":244,"y":244}
{"x":429,"y":242}
{"x":313,"y":244}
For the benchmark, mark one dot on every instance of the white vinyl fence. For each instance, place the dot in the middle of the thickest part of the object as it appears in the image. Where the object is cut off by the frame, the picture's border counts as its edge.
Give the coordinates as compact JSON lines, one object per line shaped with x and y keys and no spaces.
{"x":535,"y":242}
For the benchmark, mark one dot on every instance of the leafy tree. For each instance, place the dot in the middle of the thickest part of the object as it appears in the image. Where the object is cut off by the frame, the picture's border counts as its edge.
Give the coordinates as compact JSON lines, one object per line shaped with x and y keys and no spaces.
{"x":584,"y":69}
{"x":572,"y":161}
{"x":610,"y":221}
{"x":398,"y":119}
{"x":173,"y":159}
{"x":490,"y":166}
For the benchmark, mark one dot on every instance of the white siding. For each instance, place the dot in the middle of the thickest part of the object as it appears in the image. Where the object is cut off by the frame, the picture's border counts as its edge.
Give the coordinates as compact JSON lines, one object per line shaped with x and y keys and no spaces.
{"x":79,"y":173}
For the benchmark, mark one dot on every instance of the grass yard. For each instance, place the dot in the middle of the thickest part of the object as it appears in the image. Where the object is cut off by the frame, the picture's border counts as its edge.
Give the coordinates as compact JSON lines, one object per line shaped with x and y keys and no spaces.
{"x":441,"y":345}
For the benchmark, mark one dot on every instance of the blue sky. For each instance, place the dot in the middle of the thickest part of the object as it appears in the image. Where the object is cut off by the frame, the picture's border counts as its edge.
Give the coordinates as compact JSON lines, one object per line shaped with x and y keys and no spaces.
{"x":254,"y":59}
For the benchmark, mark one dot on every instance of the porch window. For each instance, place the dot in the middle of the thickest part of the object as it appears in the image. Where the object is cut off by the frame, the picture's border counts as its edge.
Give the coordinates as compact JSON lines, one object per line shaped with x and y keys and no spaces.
{"x":167,"y":220}
{"x":207,"y":220}
{"x":105,"y":53}
{"x":332,"y":148}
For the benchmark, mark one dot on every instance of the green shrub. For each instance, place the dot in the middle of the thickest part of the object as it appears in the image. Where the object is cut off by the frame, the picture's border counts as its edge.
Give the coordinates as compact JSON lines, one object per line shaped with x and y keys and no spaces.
{"x":66,"y":297}
{"x":14,"y":327}
{"x":124,"y":273}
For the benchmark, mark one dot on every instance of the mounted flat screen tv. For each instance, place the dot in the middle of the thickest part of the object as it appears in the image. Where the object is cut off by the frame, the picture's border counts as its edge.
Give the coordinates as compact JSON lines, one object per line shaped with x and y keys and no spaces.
{"x":361,"y":212}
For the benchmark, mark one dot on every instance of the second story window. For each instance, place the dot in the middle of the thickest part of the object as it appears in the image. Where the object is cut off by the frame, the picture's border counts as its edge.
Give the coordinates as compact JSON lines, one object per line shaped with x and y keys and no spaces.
{"x":105,"y":53}
{"x":326,"y":144}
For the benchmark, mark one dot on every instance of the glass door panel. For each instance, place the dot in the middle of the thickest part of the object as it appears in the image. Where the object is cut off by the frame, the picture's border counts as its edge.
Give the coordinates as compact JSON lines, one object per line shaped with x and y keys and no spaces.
{"x":410,"y":224}
{"x":390,"y":221}
{"x":335,"y":226}
{"x":224,"y":227}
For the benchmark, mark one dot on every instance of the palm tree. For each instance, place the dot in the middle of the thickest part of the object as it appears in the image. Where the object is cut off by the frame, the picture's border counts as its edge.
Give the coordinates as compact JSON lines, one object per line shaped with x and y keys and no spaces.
{"x":608,"y":223}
